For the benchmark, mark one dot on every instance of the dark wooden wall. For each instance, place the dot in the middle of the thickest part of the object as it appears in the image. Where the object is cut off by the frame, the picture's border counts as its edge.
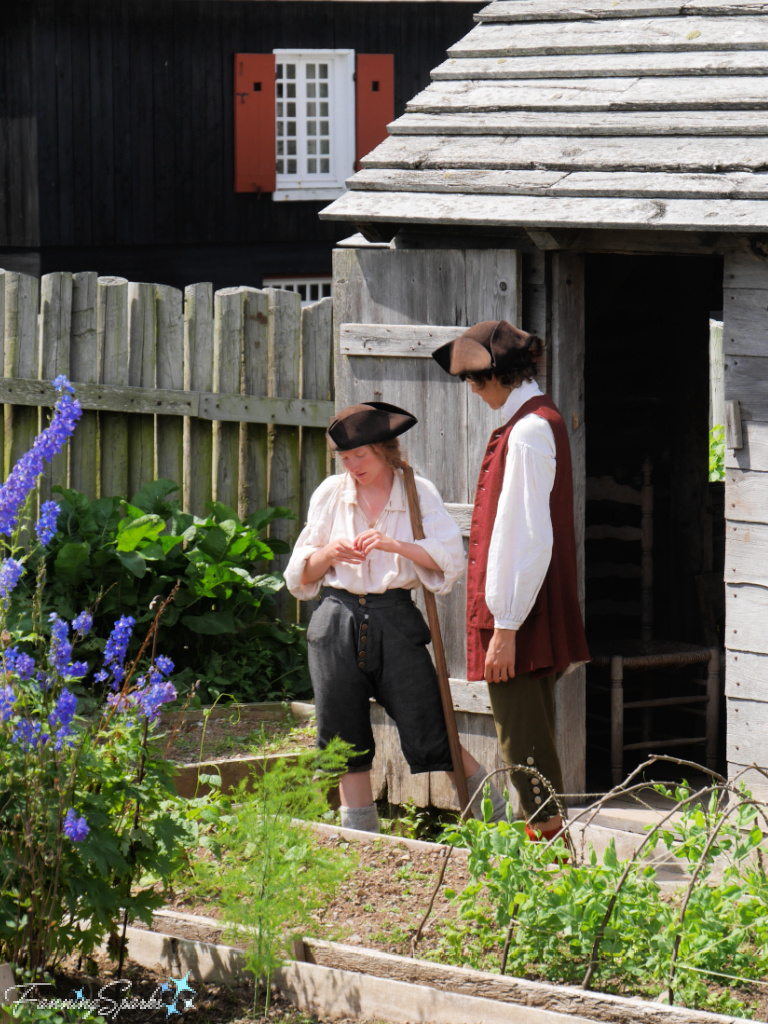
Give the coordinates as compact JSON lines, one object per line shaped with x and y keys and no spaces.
{"x":18,"y":137}
{"x":133,"y":105}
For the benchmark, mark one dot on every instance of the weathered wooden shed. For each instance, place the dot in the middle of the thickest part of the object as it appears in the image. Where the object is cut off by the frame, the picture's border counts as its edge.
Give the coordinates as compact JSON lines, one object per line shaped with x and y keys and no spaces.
{"x":597,"y":172}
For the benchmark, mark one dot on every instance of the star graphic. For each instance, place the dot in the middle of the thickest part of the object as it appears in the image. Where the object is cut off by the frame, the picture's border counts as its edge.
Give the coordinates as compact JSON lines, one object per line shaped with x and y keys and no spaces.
{"x":182,"y":986}
{"x":188,"y":1003}
{"x":171,"y":1008}
{"x":79,"y":993}
{"x":165,"y":987}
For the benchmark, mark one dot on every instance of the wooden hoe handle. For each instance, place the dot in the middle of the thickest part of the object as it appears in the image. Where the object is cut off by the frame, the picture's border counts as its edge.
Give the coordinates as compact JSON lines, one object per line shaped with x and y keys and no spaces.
{"x":438,"y":650}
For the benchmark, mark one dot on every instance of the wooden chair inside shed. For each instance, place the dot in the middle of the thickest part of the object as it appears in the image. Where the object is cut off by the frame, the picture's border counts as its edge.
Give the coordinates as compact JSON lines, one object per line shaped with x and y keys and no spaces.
{"x":641,"y":652}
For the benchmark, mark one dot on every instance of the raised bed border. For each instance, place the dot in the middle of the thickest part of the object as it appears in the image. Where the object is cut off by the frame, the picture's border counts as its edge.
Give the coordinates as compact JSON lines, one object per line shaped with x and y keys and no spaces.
{"x":332,"y":978}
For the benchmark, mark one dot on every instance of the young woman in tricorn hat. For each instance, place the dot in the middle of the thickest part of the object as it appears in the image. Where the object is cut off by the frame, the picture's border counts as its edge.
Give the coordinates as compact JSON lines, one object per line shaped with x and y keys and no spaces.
{"x":367,"y":638}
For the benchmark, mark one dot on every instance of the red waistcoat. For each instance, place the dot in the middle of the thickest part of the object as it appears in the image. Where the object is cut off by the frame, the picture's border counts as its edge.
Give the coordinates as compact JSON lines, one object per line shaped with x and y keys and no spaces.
{"x":552,"y":636}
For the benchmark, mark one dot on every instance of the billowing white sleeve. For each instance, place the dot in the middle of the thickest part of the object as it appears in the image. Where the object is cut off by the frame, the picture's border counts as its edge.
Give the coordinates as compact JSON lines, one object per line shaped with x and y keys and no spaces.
{"x":314,"y":536}
{"x":442,"y":541}
{"x":521,"y":542}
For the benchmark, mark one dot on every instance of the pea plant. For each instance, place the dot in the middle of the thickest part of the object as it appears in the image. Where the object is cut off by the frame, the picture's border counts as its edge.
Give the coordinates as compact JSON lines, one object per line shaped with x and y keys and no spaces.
{"x":560,"y":913}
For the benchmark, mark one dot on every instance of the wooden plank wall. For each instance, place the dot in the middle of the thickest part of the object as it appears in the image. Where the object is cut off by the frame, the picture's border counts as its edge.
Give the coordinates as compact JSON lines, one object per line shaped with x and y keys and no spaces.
{"x":134,"y":109}
{"x":257,"y":432}
{"x":745,"y":347}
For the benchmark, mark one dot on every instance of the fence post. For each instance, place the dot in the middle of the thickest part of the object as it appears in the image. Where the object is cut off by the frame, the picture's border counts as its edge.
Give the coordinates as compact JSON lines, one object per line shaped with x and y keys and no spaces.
{"x":227,"y":348}
{"x":142,"y":366}
{"x":112,"y":342}
{"x":20,"y":360}
{"x":316,"y":383}
{"x":83,"y":367}
{"x":198,"y":376}
{"x":169,"y":430}
{"x":55,"y":328}
{"x":284,"y":382}
{"x":254,"y":451}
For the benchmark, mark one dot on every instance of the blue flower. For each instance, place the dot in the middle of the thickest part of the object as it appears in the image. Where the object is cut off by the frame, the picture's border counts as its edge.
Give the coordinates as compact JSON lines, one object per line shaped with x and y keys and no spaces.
{"x":61,"y":649}
{"x":28,"y":734}
{"x":77,"y":669}
{"x":7,"y":699}
{"x":46,"y":524}
{"x":153,"y":697}
{"x":164,"y":664}
{"x":117,"y":644}
{"x":10,"y":574}
{"x":101,"y":676}
{"x":23,"y":477}
{"x":25,"y":666}
{"x":82,"y":623}
{"x":62,"y":384}
{"x":75,"y":828}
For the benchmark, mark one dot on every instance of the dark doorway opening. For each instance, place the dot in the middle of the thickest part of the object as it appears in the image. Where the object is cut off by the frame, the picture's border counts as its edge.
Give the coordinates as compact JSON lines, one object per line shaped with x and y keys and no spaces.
{"x":647,"y":408}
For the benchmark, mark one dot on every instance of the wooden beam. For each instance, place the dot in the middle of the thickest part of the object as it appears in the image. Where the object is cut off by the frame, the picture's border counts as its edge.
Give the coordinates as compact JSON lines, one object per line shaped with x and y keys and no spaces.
{"x":202,"y":405}
{"x":605,"y":65}
{"x":407,"y":340}
{"x":636,"y":35}
{"x":729,"y":92}
{"x":647,"y":123}
{"x":557,"y":10}
{"x":546,"y":212}
{"x":733,"y":438}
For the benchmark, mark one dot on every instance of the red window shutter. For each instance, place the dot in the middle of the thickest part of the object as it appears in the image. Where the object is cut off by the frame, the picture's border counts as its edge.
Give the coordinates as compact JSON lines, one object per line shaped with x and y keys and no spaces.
{"x":255,"y":122}
{"x":375,"y":98}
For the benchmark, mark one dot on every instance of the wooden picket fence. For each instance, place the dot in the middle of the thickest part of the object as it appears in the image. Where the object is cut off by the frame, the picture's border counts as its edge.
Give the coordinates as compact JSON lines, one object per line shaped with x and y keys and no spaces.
{"x":228,"y":394}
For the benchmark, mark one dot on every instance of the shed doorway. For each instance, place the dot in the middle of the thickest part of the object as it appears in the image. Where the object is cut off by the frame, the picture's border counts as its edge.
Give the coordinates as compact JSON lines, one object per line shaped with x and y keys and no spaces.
{"x":647,"y":384}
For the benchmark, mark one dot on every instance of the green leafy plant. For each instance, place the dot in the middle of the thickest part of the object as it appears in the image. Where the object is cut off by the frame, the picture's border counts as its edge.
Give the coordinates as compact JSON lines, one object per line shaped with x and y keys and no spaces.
{"x":609,"y":923}
{"x":116,"y":556}
{"x":717,"y":454}
{"x":266,"y":872}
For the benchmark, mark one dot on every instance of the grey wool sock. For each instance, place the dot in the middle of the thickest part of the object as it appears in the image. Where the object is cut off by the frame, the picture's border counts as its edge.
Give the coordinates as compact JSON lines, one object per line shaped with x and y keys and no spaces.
{"x":498,"y":802}
{"x":364,"y":819}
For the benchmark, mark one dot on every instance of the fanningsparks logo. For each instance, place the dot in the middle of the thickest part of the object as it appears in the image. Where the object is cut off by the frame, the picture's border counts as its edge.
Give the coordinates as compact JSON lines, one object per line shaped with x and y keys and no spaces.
{"x":174,"y":996}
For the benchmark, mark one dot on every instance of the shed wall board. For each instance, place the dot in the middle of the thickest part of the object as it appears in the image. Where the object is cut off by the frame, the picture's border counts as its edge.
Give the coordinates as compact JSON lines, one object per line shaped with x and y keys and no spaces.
{"x":754,"y":454}
{"x":747,"y":729}
{"x":746,"y":675}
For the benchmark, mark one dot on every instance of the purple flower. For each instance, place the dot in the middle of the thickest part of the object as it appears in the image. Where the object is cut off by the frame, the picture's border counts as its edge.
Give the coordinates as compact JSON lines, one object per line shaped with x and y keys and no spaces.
{"x":164,"y":664}
{"x":152,"y":697}
{"x":23,"y":477}
{"x":77,"y":669}
{"x":62,"y":384}
{"x":25,"y":666}
{"x":117,"y":644}
{"x":28,"y":734}
{"x":10,"y":574}
{"x":61,"y":649}
{"x":7,"y":698}
{"x":82,"y":623}
{"x":101,"y":676}
{"x":46,"y":524}
{"x":75,"y":828}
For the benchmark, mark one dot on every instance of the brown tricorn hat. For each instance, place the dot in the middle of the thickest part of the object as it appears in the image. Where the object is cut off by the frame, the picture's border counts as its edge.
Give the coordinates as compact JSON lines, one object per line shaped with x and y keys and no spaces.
{"x":368,"y":423}
{"x":490,"y":345}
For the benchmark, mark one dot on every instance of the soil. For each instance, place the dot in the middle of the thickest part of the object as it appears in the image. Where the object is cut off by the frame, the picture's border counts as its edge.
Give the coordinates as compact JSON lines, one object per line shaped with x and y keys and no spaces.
{"x":234,"y":736}
{"x":379,"y":908}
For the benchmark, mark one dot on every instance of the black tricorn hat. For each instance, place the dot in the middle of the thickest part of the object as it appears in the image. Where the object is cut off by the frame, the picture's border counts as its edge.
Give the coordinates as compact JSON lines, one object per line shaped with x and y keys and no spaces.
{"x":368,"y":423}
{"x":490,"y":345}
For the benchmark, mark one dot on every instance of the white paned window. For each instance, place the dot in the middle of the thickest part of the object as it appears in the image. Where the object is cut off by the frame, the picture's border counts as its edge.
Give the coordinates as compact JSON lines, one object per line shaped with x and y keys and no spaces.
{"x":311,"y":289}
{"x":314,"y":122}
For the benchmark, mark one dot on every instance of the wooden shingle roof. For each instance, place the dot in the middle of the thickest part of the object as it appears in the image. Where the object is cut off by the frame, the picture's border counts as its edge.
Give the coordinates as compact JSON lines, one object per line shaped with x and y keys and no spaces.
{"x":630,"y":114}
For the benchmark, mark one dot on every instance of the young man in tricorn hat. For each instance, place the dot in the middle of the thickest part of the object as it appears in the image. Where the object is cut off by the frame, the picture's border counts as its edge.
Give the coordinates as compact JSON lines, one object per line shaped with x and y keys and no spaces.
{"x":524,"y":624}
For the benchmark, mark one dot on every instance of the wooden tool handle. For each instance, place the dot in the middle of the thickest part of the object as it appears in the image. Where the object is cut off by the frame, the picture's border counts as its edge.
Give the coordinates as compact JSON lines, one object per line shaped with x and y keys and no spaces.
{"x":438,"y":650}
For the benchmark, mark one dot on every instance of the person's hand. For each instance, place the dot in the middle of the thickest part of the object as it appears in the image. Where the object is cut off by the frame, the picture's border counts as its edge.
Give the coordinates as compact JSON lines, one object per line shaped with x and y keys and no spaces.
{"x":343,"y":550}
{"x":371,"y":539}
{"x":500,"y":659}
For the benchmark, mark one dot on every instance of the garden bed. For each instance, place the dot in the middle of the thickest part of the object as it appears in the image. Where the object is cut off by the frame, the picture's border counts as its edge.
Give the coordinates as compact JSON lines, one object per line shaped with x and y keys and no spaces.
{"x":371,"y":972}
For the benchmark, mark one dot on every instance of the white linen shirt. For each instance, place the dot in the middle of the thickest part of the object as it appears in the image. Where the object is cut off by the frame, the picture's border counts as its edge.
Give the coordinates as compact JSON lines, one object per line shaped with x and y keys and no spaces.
{"x":334,"y":513}
{"x":521,"y":541}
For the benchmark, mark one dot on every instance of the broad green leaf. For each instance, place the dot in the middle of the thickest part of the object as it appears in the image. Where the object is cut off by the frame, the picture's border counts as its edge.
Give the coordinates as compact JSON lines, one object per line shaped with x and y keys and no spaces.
{"x":211,"y":623}
{"x":133,"y":562}
{"x":72,"y":564}
{"x":131,"y":534}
